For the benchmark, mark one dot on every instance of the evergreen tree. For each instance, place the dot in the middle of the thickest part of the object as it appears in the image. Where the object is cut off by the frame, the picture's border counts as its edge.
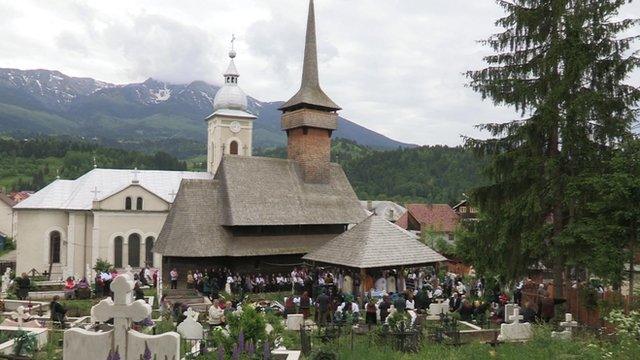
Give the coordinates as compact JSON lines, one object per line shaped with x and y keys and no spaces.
{"x":562,"y":65}
{"x":612,"y":222}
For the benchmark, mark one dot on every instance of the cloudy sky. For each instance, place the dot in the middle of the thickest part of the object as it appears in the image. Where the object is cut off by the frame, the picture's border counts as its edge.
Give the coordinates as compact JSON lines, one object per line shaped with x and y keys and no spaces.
{"x":395,"y":66}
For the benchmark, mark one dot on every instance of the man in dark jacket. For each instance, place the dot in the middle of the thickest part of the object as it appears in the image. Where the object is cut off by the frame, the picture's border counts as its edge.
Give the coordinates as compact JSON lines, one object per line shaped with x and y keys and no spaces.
{"x":323,"y":308}
{"x":24,"y":283}
{"x":57,"y":311}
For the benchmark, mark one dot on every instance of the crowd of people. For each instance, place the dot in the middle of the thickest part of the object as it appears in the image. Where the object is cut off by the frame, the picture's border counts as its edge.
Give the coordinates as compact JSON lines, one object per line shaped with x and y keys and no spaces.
{"x":335,"y":294}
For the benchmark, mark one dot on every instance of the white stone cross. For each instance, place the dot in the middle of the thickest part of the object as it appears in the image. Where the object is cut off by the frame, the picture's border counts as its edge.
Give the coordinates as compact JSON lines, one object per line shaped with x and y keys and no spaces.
{"x":95,"y":192}
{"x":516,"y":317}
{"x":568,"y":323}
{"x":191,"y":313}
{"x":122,"y":310}
{"x":135,"y":173}
{"x":20,"y":315}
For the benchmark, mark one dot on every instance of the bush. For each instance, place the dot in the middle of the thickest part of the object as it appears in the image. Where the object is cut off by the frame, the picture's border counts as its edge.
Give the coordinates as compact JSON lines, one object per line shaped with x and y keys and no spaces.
{"x":102,"y":266}
{"x":250,"y":322}
{"x":324,"y":353}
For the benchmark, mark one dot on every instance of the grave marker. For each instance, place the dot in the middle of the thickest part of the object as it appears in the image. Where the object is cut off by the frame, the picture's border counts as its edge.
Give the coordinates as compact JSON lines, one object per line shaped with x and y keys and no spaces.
{"x":129,"y":344}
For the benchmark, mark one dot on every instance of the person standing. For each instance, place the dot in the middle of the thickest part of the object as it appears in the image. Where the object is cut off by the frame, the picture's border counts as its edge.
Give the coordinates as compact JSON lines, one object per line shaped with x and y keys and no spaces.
{"x":305,"y":304}
{"x":384,"y":308}
{"x":371,"y":316}
{"x":323,"y":308}
{"x":57,"y":311}
{"x":173,"y":277}
{"x":24,"y":283}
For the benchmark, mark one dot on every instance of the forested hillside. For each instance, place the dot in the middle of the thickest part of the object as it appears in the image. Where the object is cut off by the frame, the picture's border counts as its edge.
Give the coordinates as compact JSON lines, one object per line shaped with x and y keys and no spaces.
{"x":32,"y":164}
{"x":435,"y":174}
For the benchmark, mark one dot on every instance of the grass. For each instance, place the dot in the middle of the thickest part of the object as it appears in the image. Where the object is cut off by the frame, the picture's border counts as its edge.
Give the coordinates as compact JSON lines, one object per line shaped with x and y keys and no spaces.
{"x":542,"y":347}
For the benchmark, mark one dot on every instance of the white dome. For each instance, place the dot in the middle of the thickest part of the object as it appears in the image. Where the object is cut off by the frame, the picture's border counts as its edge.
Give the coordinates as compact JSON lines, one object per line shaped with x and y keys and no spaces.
{"x":230,"y":96}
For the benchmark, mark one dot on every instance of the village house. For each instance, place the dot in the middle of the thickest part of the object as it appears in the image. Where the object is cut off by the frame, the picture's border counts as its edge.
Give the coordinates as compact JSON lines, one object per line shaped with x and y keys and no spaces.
{"x":389,"y":210}
{"x":437,"y":221}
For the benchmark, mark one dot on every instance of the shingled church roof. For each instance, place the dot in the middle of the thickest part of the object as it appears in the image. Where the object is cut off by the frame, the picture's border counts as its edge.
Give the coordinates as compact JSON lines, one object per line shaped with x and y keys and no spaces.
{"x":255,"y":191}
{"x":375,"y":243}
{"x":269,"y":191}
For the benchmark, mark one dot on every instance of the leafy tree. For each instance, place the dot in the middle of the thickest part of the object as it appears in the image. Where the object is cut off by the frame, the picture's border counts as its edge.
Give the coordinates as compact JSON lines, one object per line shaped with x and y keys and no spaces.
{"x":562,"y":65}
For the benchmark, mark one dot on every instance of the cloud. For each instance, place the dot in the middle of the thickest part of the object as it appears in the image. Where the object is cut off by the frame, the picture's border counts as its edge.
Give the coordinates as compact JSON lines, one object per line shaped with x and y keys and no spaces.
{"x":395,"y":66}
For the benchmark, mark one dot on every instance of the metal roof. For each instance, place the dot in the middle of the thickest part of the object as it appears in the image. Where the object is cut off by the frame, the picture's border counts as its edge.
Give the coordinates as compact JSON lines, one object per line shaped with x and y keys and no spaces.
{"x":78,"y":194}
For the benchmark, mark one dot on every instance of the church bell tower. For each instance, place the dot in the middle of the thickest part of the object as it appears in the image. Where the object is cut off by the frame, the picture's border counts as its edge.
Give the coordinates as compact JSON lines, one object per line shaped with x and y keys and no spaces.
{"x":310,"y":116}
{"x":230,"y":127}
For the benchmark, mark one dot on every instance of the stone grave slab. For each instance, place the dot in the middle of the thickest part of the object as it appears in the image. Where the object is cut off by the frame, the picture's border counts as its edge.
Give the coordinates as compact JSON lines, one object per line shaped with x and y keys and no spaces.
{"x":294,"y":321}
{"x":164,"y":346}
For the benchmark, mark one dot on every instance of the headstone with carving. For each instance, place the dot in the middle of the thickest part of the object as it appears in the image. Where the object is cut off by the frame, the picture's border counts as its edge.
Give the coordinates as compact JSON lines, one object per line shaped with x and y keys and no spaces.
{"x":21,"y":319}
{"x":127,"y":343}
{"x":514,"y":330}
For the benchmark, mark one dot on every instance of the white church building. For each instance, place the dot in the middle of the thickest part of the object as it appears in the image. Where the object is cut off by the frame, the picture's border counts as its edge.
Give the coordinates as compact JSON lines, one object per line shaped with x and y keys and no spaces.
{"x":116,"y":215}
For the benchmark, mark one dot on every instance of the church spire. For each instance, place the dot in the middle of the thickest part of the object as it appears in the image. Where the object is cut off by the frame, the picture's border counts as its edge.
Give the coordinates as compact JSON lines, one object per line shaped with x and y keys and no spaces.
{"x":310,"y":93}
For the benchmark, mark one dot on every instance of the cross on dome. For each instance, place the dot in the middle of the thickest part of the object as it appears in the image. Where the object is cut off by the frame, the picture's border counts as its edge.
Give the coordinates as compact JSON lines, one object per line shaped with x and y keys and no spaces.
{"x":230,"y":96}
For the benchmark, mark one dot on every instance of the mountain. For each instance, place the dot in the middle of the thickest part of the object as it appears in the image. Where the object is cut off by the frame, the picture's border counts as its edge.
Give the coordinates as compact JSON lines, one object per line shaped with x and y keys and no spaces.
{"x":50,"y":102}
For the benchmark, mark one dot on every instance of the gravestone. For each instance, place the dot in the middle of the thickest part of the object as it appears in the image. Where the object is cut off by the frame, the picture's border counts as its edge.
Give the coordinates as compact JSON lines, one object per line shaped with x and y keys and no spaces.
{"x":294,"y":321}
{"x":435,"y":309}
{"x":159,"y":286}
{"x":568,"y":324}
{"x":191,"y":313}
{"x":509,"y":310}
{"x":514,"y":330}
{"x":191,"y":329}
{"x":18,"y":318}
{"x":128,"y":344}
{"x":6,"y":281}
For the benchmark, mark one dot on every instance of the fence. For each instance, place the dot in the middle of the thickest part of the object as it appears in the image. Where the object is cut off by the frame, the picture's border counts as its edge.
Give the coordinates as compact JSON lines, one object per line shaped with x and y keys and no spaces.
{"x":583,"y":305}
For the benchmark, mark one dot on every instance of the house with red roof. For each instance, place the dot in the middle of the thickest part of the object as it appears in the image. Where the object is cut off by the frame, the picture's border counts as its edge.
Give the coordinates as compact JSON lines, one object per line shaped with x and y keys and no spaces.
{"x":439,"y":220}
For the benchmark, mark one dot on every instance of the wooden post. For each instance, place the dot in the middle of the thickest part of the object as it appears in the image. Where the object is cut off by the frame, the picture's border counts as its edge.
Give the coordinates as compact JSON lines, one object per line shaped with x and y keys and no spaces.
{"x":363,"y":276}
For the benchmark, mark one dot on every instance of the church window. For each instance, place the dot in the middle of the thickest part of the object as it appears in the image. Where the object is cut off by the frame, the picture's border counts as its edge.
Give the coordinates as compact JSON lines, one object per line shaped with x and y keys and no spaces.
{"x":139,"y":203}
{"x":233,"y":148}
{"x":127,"y":203}
{"x":134,"y":250}
{"x":54,"y":247}
{"x":117,"y":251}
{"x":148,"y":250}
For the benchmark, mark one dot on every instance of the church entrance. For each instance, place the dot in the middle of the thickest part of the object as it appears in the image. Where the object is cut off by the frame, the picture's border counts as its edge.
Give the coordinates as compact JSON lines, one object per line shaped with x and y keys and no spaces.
{"x":134,"y":250}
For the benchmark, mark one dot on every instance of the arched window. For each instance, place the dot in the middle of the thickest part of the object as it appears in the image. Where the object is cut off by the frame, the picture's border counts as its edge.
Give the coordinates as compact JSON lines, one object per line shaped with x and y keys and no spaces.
{"x":54,"y":247}
{"x":134,"y":250}
{"x":127,"y":203}
{"x":148,"y":250}
{"x":139,"y":203}
{"x":233,"y":148}
{"x":117,"y":251}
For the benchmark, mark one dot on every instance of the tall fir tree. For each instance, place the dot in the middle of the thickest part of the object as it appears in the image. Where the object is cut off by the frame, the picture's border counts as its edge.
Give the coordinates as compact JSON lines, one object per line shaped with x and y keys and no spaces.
{"x":562,"y":64}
